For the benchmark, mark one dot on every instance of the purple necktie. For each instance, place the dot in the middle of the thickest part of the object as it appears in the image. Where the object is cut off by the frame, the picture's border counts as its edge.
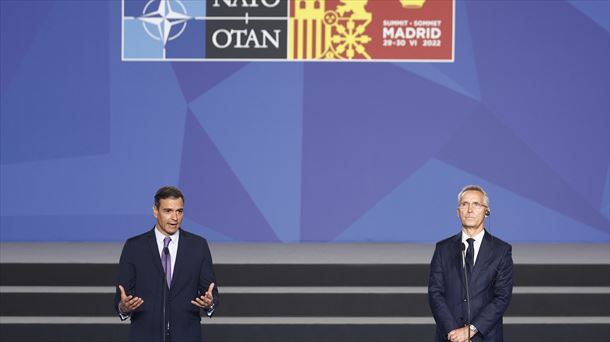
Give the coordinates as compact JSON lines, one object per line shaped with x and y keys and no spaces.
{"x":166,"y":260}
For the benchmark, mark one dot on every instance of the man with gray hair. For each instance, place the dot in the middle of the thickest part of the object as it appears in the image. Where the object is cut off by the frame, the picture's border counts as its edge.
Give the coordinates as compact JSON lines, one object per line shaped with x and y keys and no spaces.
{"x":471,"y":276}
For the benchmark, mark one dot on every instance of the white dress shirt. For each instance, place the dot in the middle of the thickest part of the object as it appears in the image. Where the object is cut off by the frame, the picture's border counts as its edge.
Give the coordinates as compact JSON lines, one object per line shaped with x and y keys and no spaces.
{"x":173,"y":245}
{"x":477,"y":243}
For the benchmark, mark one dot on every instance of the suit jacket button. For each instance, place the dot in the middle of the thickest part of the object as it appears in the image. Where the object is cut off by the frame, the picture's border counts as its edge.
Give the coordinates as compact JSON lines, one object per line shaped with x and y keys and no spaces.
{"x":464,"y":299}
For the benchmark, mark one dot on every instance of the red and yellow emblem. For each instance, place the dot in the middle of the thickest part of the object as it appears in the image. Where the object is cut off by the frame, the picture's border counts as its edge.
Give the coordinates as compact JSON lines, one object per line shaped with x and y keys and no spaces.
{"x":371,"y":29}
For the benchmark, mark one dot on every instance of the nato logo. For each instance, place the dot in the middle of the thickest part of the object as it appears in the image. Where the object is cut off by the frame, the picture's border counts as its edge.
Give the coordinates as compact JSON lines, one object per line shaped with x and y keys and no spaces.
{"x":158,"y":30}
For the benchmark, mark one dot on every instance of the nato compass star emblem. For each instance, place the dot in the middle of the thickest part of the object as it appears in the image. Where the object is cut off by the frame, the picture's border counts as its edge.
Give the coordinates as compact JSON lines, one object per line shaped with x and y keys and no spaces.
{"x":159,"y":21}
{"x":163,"y":30}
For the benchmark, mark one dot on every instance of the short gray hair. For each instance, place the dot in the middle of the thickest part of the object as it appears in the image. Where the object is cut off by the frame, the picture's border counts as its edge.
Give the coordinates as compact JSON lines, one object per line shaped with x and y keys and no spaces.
{"x":473,"y":187}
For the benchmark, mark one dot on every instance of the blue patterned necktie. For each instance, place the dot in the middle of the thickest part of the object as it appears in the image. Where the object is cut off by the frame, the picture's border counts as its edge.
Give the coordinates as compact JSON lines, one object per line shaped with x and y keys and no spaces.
{"x":470,"y":256}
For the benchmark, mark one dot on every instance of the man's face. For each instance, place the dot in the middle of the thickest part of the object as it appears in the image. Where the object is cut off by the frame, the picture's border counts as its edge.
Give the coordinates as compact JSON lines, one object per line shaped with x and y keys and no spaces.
{"x":471,"y":210}
{"x":169,"y":215}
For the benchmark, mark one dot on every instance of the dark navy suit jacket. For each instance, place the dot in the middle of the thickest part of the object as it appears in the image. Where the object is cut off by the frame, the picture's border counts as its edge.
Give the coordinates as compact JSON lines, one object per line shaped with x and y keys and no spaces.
{"x":141,"y":274}
{"x":490,"y":285}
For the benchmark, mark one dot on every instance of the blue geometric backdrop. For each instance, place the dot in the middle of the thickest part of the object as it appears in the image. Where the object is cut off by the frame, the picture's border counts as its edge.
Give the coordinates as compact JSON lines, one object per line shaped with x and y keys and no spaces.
{"x":298,"y":152}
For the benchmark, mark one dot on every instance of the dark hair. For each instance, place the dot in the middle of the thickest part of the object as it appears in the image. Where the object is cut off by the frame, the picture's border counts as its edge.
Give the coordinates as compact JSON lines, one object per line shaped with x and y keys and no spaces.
{"x":167,"y":192}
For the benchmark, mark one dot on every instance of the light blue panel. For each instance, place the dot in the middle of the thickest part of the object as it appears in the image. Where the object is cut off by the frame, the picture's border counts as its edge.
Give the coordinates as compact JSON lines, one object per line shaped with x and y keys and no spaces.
{"x":195,"y":8}
{"x":423,"y":209}
{"x":255,"y":119}
{"x":209,"y":234}
{"x":518,"y":219}
{"x":431,"y":72}
{"x":461,"y":75}
{"x":137,"y":43}
{"x":597,"y":10}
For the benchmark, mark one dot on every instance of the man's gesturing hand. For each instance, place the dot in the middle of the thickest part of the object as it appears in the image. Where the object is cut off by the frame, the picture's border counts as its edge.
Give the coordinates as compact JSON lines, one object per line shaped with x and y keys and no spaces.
{"x":206,"y":300}
{"x":128,"y":303}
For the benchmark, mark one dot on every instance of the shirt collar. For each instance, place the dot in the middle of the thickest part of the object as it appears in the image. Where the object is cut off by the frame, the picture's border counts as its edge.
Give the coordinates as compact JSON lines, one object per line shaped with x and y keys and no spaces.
{"x":160,"y":237}
{"x":477,"y":238}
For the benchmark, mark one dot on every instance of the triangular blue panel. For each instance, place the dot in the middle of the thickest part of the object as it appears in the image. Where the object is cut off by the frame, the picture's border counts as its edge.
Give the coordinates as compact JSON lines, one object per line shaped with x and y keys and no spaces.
{"x":597,"y":10}
{"x":215,"y":196}
{"x":255,"y":120}
{"x":423,"y":209}
{"x":460,"y":75}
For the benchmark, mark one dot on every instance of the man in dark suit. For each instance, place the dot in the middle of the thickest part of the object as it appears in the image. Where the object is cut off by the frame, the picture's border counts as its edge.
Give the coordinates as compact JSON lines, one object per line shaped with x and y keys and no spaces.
{"x":150,"y":292}
{"x":488,"y":264}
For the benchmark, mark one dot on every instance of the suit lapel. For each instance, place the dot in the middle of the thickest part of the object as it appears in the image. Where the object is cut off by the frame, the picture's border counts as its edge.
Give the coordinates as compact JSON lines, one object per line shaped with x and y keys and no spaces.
{"x":154,"y":249}
{"x":485,"y":252}
{"x":457,"y":256}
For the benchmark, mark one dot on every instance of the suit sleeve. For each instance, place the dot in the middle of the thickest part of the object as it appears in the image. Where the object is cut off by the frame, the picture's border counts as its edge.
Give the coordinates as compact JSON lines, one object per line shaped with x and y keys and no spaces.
{"x":206,"y":277}
{"x":126,"y":278}
{"x":489,"y":316}
{"x":436,"y":295}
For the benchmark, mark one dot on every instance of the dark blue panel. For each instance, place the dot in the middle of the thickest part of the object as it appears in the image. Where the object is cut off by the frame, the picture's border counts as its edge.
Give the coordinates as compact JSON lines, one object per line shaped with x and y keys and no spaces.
{"x":57,"y":104}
